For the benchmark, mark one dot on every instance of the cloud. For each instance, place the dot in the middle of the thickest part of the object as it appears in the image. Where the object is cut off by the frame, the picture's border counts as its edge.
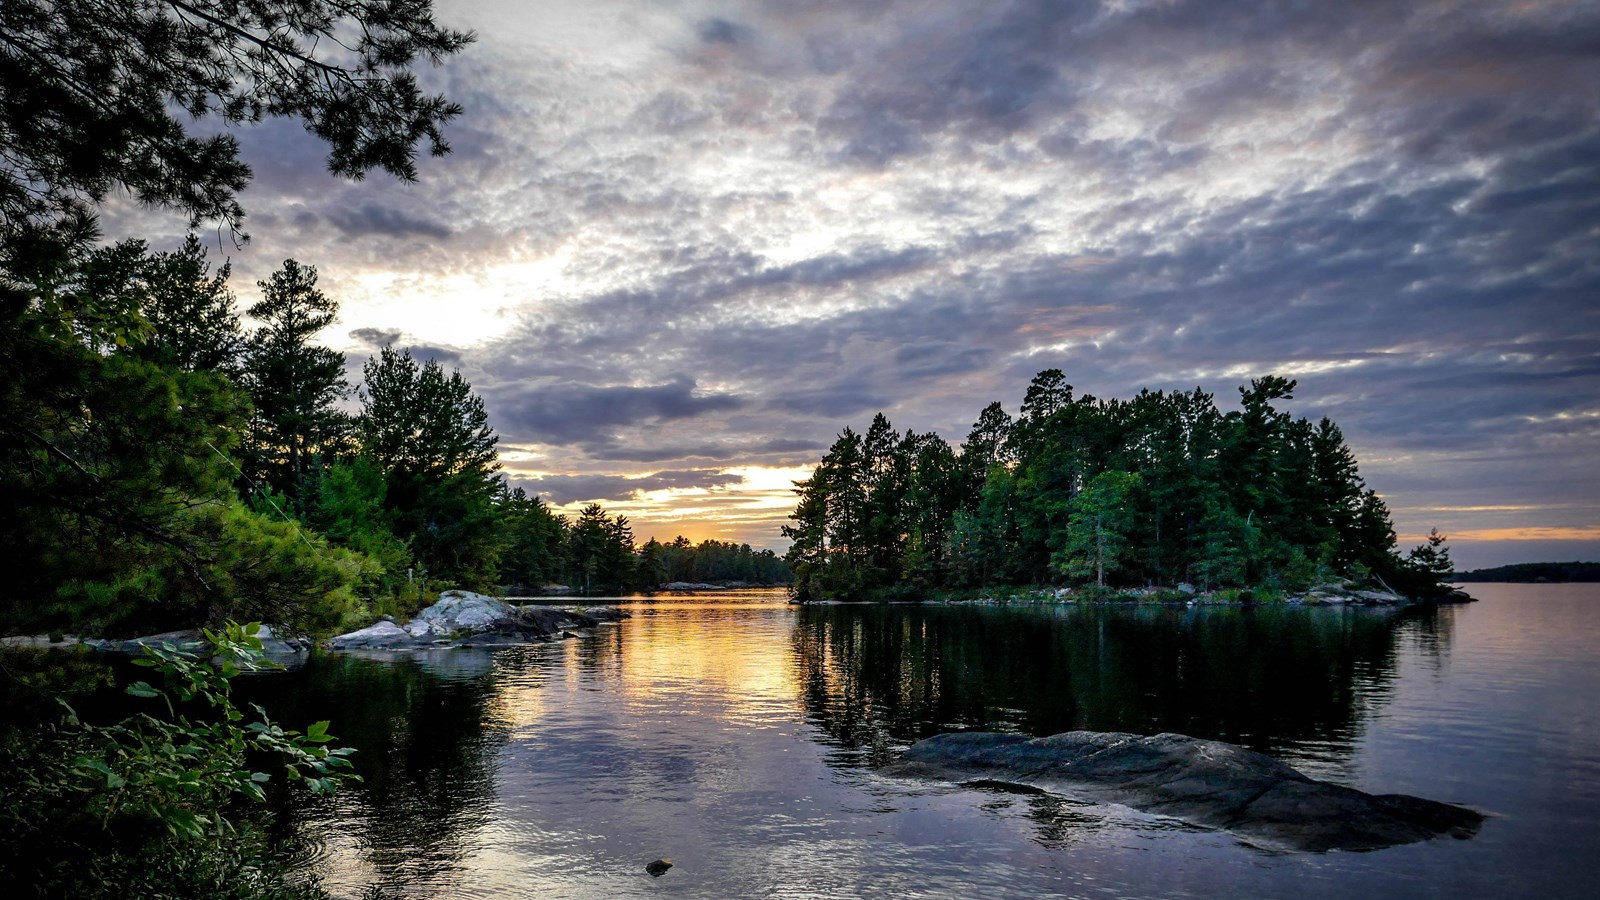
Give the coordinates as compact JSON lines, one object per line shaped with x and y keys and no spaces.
{"x":669,"y":239}
{"x":564,"y":489}
{"x":372,"y":218}
{"x":579,"y":413}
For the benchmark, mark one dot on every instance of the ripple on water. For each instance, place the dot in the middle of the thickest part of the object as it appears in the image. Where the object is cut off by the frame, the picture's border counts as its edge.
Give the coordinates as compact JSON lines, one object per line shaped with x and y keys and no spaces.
{"x":737,"y":735}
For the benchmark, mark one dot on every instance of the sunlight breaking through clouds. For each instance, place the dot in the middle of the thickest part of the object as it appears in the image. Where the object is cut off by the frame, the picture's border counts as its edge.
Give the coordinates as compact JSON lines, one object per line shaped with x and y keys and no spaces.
{"x":663,"y":245}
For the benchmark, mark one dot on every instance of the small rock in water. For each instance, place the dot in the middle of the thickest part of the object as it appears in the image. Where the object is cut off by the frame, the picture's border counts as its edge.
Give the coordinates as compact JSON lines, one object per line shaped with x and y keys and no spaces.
{"x":568,"y":636}
{"x":658,"y":868}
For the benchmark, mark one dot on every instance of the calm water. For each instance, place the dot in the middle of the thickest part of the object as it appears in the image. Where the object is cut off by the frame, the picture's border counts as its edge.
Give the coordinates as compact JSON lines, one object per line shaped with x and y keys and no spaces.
{"x":738,"y":736}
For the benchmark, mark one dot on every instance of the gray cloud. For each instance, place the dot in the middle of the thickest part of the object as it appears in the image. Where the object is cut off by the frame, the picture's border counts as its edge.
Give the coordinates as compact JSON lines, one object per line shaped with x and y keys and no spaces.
{"x":372,"y":218}
{"x":719,"y":239}
{"x":562,"y":489}
{"x":571,"y":412}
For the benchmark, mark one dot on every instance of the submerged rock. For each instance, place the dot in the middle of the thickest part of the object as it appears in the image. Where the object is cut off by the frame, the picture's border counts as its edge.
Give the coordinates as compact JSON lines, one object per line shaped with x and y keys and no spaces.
{"x":1204,"y":782}
{"x":658,"y":867}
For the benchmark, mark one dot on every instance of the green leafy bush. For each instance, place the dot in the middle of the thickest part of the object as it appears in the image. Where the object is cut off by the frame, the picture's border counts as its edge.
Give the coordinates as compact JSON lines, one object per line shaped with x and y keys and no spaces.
{"x":159,"y":804}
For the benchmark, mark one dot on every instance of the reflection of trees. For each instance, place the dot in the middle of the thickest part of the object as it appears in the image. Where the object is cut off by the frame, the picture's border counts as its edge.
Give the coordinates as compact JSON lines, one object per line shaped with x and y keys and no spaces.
{"x":1269,"y":678}
{"x":427,"y":752}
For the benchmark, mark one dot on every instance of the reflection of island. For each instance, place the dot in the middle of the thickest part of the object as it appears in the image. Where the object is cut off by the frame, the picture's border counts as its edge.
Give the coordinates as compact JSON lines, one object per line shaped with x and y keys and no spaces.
{"x":875,"y":678}
{"x":426,"y":751}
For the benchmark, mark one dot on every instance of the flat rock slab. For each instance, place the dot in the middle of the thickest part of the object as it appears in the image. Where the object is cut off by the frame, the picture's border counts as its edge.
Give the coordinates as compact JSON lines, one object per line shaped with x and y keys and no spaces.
{"x":1203,"y":782}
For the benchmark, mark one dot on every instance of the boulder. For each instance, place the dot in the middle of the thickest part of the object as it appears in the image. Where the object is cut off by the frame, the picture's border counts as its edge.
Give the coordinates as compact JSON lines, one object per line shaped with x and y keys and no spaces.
{"x":1204,"y":782}
{"x":465,"y":619}
{"x":383,"y":635}
{"x":461,"y":612}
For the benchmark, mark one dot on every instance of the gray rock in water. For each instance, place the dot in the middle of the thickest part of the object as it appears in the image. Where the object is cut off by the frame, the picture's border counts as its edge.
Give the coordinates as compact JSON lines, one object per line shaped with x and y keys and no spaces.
{"x":461,"y":612}
{"x":1204,"y":782}
{"x":462,"y":618}
{"x":658,"y":867}
{"x":383,"y":635}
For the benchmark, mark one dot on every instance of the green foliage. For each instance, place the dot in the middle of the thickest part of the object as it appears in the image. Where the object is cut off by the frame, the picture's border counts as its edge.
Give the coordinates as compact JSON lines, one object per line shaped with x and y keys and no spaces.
{"x":535,"y":550}
{"x":294,"y":384}
{"x":95,"y":98}
{"x":429,"y":434}
{"x":154,"y":800}
{"x":1155,"y":490}
{"x":1099,"y":527}
{"x":710,"y":560}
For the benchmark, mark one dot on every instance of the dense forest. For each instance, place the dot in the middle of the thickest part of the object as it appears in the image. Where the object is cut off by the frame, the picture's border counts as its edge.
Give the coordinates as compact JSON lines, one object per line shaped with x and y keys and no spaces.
{"x":1158,"y":490}
{"x":167,"y":465}
{"x":1530,"y":573}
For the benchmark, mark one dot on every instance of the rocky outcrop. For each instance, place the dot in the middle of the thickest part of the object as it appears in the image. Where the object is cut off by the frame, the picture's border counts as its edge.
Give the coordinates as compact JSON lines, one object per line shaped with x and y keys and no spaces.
{"x":691,"y":586}
{"x":1203,"y":782}
{"x":466,"y":619}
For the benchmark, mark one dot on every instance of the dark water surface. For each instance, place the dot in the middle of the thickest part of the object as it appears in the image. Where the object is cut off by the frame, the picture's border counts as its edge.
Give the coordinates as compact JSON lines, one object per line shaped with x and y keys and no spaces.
{"x":738,"y":736}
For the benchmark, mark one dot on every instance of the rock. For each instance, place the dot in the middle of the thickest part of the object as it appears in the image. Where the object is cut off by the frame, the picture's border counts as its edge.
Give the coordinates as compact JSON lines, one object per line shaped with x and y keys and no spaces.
{"x":461,"y":611}
{"x":274,"y":644}
{"x":602,"y":613}
{"x":465,"y":619}
{"x":41,"y":641}
{"x":658,"y":867}
{"x":383,"y":635}
{"x":1185,"y":587}
{"x":1203,"y":782}
{"x":690,"y":586}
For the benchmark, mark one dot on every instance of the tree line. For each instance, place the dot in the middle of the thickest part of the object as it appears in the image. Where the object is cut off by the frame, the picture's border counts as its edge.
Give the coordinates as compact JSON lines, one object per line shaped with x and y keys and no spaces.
{"x":167,"y":465}
{"x":1158,"y":490}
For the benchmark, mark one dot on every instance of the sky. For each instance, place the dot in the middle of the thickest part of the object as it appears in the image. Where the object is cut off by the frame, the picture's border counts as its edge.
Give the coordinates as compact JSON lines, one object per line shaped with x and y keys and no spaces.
{"x":679,"y":246}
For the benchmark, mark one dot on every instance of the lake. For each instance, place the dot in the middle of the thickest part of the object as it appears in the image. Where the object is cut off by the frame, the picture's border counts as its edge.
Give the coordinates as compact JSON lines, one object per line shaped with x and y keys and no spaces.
{"x":739,"y":736}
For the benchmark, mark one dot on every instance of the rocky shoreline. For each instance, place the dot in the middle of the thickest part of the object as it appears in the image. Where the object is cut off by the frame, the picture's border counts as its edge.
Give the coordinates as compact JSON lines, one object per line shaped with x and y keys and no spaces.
{"x":458,"y":619}
{"x":1329,"y":594}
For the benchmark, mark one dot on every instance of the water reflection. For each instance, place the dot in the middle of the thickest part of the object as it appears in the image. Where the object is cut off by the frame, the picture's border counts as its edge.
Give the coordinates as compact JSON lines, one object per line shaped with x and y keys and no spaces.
{"x":739,"y":736}
{"x":1291,"y":682}
{"x":427,"y":753}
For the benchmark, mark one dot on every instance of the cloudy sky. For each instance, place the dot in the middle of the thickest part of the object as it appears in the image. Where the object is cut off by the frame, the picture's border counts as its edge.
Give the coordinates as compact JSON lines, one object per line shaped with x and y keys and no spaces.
{"x":680,"y":245}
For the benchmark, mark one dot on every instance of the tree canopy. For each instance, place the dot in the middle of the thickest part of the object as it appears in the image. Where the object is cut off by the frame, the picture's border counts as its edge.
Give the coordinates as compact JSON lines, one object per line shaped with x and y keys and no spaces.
{"x":94,"y":96}
{"x":1155,"y":490}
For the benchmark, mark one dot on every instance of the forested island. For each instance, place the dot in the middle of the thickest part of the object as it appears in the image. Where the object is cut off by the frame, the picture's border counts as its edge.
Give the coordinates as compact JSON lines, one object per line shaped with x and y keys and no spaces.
{"x":1534,"y":573}
{"x":1160,"y":490}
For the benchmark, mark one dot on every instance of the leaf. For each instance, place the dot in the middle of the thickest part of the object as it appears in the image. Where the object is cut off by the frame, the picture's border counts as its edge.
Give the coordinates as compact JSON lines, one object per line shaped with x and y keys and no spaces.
{"x":142,"y":689}
{"x":318,"y":732}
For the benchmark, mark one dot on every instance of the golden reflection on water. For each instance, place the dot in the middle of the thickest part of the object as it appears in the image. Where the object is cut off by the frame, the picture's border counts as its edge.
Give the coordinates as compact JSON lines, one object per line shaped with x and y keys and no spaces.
{"x":719,"y":662}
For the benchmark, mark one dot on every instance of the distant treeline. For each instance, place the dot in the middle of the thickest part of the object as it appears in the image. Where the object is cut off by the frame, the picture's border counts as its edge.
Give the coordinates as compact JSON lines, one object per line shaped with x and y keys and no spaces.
{"x":1525,"y":573}
{"x":1157,"y":490}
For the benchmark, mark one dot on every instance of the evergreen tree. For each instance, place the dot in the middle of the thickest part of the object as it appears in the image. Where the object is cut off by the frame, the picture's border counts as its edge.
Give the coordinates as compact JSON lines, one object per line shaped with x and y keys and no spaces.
{"x":294,"y":384}
{"x":430,"y":435}
{"x":193,"y":323}
{"x":1099,"y":528}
